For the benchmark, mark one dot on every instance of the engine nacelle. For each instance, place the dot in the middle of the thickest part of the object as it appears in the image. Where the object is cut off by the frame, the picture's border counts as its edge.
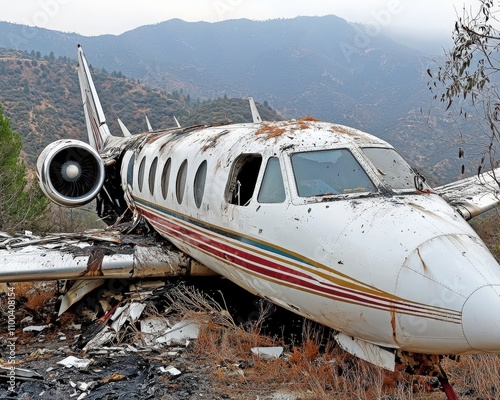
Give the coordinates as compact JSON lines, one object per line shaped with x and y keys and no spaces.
{"x":71,"y":173}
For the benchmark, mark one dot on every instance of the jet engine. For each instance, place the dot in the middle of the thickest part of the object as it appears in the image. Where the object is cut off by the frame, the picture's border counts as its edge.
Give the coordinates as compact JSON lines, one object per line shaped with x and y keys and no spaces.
{"x":71,"y":173}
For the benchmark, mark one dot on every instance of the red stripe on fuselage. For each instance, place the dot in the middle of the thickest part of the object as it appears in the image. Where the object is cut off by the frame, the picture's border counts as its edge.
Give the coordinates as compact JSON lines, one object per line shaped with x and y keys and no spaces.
{"x":267,"y":268}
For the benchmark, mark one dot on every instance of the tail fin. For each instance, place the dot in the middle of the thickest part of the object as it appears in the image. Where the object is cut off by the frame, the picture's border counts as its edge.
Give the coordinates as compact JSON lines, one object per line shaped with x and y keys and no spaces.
{"x":97,"y":129}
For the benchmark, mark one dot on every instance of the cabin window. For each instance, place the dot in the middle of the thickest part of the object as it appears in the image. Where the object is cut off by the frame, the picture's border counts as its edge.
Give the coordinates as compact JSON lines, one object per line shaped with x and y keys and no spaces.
{"x":391,"y":167}
{"x":329,"y":172}
{"x":130,"y":170}
{"x":140,"y":178}
{"x":165,"y":176}
{"x":199,"y":183}
{"x":181,"y":181}
{"x":152,"y":175}
{"x":243,"y":178}
{"x":272,"y":189}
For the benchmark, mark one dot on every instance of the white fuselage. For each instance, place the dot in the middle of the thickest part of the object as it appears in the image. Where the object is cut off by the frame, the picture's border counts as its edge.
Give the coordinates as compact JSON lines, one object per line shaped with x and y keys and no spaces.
{"x":396,"y":268}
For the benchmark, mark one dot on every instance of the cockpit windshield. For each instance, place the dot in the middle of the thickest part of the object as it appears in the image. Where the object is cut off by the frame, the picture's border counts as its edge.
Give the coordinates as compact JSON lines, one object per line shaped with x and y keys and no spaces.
{"x":329,"y":172}
{"x":391,"y":168}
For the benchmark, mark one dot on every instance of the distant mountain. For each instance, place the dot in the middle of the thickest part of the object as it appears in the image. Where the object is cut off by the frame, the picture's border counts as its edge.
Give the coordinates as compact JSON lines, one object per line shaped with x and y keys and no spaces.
{"x":306,"y":65}
{"x":320,"y":66}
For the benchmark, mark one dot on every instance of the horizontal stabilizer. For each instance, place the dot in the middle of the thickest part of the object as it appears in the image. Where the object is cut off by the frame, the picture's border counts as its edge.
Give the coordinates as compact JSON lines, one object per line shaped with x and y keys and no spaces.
{"x":473,"y":196}
{"x":124,"y":129}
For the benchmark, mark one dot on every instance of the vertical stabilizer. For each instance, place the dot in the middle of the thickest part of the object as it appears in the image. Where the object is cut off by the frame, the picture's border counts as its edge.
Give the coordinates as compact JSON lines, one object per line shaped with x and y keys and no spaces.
{"x":97,"y":129}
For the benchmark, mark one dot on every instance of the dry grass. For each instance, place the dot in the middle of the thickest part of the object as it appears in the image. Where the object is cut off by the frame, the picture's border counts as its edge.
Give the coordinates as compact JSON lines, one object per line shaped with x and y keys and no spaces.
{"x":314,"y":369}
{"x":36,"y":293}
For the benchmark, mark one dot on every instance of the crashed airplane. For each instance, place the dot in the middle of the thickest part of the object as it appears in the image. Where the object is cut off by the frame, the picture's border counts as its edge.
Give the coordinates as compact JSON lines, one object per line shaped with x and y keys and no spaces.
{"x":324,"y":220}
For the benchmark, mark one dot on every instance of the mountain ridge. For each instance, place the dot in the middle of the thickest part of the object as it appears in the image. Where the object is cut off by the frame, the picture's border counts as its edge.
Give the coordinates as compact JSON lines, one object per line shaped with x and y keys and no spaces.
{"x":303,"y":66}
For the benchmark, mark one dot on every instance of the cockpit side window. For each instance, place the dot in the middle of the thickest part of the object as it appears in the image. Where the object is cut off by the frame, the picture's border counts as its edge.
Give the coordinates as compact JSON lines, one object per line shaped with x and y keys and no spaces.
{"x":243,"y":178}
{"x":329,"y":172}
{"x":391,"y":167}
{"x":272,"y":189}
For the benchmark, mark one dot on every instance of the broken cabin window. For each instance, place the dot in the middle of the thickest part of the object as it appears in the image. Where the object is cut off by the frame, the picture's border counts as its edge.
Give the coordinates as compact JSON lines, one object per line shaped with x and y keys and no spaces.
{"x":130,"y":170}
{"x":243,"y":178}
{"x":165,"y":176}
{"x":329,"y":172}
{"x":180,"y":185}
{"x":272,"y":189}
{"x":199,"y":183}
{"x":391,"y":167}
{"x":142,"y":167}
{"x":152,"y":175}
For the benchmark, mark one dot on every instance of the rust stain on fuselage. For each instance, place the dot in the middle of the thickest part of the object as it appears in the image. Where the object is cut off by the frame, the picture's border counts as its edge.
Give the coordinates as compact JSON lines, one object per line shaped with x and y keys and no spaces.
{"x":422,"y":260}
{"x":271,"y":131}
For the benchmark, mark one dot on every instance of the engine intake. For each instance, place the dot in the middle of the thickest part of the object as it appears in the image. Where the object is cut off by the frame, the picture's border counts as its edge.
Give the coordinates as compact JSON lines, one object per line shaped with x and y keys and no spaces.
{"x":71,"y":173}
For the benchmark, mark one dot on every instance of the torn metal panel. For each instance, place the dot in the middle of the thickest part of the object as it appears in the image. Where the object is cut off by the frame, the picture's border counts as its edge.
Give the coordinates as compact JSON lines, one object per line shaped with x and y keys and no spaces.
{"x":77,"y":292}
{"x":20,"y":374}
{"x":180,"y":333}
{"x":367,"y":351}
{"x":473,"y":196}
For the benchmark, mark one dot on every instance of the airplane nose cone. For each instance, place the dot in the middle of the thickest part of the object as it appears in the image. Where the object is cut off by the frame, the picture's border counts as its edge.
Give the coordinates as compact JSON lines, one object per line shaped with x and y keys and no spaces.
{"x":481,"y":319}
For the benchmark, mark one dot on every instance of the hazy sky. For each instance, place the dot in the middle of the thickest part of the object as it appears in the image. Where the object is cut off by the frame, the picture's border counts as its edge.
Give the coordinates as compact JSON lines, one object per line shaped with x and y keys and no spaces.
{"x":431,"y":20}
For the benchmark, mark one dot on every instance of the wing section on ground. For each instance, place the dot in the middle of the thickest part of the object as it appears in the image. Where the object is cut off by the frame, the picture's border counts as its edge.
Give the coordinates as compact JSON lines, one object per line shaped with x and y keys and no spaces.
{"x":473,"y":196}
{"x":96,"y":254}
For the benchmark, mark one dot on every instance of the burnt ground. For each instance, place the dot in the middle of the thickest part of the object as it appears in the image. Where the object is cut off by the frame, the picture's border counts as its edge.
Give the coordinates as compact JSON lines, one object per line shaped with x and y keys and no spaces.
{"x":217,"y":365}
{"x":117,"y":375}
{"x":128,"y":370}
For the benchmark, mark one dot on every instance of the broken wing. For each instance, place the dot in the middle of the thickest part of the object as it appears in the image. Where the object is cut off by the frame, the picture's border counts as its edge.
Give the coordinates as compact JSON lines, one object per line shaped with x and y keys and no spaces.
{"x":473,"y":196}
{"x":92,"y":255}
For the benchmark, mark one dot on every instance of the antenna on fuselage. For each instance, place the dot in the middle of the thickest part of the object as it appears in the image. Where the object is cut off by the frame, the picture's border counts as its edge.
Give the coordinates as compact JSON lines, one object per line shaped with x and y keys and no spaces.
{"x":150,"y":128}
{"x":177,"y":122}
{"x":255,"y":113}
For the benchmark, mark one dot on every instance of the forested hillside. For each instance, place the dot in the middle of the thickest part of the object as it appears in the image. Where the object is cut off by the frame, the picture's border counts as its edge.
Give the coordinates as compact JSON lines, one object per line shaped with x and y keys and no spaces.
{"x":42,"y":96}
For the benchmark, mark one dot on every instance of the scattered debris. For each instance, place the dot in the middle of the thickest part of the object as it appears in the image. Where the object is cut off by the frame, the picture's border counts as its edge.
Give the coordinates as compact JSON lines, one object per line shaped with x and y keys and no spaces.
{"x":170,"y":370}
{"x":180,"y":333}
{"x":35,"y":328}
{"x":72,"y":361}
{"x":19,"y":373}
{"x":268,"y":352}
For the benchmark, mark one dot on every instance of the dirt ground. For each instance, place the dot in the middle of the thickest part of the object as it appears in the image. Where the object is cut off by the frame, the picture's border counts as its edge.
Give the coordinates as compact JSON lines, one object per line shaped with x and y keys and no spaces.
{"x":128,"y":370}
{"x":216,"y":365}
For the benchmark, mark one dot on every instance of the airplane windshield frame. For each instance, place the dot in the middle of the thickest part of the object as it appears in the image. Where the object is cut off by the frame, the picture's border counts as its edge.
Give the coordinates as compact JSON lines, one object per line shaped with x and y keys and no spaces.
{"x":331,"y":172}
{"x":391,"y":168}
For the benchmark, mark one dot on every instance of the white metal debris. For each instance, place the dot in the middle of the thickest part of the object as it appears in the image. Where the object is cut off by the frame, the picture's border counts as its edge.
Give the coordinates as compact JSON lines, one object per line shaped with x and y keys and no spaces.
{"x":180,"y":333}
{"x":131,"y":312}
{"x":171,"y":370}
{"x":71,"y":361}
{"x":268,"y":352}
{"x":35,"y":328}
